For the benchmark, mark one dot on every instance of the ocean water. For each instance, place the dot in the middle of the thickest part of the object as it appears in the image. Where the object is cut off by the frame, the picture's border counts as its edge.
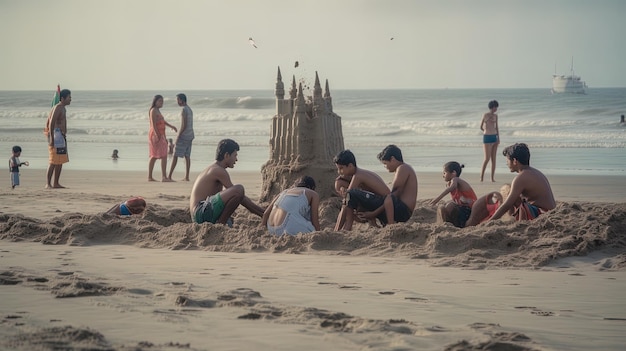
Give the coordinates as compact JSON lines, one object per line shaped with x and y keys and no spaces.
{"x":567,"y":134}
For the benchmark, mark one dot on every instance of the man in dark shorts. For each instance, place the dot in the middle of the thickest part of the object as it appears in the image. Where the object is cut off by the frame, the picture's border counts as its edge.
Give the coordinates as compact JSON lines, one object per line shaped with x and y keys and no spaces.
{"x":398,"y":206}
{"x":366,"y":191}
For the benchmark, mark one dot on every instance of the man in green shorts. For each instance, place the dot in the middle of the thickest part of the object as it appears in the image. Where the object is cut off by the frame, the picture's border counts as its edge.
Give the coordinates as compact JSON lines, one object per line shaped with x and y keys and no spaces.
{"x":214,"y":198}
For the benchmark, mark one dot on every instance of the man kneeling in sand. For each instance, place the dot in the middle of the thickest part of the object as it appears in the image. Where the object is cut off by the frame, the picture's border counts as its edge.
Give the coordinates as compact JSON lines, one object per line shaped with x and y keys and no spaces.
{"x":530,"y":186}
{"x":367,"y":190}
{"x":400,"y":203}
{"x":214,"y":198}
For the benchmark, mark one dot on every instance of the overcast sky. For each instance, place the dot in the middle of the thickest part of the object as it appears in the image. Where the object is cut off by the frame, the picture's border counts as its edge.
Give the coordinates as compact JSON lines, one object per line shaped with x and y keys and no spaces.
{"x":189,"y":44}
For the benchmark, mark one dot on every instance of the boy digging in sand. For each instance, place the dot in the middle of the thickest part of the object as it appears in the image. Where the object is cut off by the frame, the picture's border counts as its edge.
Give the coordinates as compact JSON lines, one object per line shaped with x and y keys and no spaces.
{"x":463,"y":196}
{"x":399,"y":204}
{"x":366,"y":191}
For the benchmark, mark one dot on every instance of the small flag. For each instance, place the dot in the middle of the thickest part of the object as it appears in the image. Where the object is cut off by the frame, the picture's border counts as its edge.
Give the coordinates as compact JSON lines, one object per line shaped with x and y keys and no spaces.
{"x":57,"y":96}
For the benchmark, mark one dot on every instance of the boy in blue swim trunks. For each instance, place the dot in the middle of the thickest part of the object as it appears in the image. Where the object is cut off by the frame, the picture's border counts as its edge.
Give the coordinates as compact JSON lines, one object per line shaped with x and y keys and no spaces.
{"x":529,"y":184}
{"x":214,"y":198}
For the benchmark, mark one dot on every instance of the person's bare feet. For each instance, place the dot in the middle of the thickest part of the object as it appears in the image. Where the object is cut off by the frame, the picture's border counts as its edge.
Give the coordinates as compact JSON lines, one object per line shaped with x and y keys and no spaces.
{"x":58,"y":186}
{"x":166,"y":180}
{"x":184,"y":180}
{"x":151,"y":179}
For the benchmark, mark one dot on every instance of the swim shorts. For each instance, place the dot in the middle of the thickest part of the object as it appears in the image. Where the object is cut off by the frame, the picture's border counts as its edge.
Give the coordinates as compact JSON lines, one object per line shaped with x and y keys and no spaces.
{"x":363,"y":200}
{"x":401,"y":212}
{"x":183,"y":148}
{"x":209,"y":210}
{"x":490,"y":138}
{"x":528,"y":211}
{"x":464,"y":213}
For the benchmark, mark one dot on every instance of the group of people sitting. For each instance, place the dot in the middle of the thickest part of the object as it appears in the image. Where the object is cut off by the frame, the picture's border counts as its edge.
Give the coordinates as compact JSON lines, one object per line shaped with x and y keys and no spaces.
{"x":365,"y":196}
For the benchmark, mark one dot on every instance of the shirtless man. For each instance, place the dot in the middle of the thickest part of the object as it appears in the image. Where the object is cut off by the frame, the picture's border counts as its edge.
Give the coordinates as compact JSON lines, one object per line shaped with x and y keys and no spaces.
{"x":367,"y":190}
{"x":57,"y":157}
{"x":400,"y":203}
{"x":185,"y":137}
{"x":530,"y":185}
{"x":214,"y":198}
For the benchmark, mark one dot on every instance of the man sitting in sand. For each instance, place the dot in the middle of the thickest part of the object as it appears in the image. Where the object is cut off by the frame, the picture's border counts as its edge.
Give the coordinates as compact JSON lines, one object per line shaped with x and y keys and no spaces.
{"x":214,"y":198}
{"x":400,"y":203}
{"x":530,"y":185}
{"x":366,"y":192}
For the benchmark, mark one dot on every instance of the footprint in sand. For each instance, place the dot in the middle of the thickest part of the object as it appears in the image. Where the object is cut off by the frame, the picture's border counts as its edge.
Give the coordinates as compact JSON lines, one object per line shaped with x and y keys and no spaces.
{"x":542,"y":313}
{"x":349,"y":287}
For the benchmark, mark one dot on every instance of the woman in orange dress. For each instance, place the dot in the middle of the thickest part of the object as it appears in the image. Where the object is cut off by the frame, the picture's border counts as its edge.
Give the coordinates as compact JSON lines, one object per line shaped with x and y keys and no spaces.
{"x":157,"y":140}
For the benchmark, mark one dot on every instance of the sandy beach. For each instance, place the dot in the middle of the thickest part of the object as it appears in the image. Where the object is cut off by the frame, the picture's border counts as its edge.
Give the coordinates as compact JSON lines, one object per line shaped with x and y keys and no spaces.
{"x":73,"y":278}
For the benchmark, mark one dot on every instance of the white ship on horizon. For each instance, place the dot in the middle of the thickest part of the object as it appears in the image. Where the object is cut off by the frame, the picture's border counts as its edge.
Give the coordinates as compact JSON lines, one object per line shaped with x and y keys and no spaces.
{"x":571,"y":84}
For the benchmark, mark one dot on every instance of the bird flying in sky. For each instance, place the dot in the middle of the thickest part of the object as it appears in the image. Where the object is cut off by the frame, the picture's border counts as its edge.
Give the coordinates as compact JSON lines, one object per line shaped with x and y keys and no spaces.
{"x":296,"y":64}
{"x":252,"y":42}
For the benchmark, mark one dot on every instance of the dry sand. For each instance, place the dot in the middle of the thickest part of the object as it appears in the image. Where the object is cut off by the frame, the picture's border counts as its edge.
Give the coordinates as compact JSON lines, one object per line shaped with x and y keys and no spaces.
{"x":73,"y":278}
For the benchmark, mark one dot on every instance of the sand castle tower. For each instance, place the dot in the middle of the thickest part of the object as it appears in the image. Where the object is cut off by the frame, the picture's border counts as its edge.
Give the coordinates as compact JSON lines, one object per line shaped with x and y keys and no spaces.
{"x":305,"y":137}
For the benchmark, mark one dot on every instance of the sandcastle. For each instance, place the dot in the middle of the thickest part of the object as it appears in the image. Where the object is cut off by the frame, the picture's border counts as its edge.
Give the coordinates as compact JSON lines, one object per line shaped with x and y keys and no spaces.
{"x":305,"y":137}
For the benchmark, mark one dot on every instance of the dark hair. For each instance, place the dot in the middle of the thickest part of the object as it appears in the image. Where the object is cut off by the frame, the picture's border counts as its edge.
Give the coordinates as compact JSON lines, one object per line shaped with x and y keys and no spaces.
{"x":345,"y":158}
{"x":389,"y":151}
{"x":182,"y":97}
{"x":518,"y":151}
{"x":453,"y":166}
{"x":492,"y":104}
{"x":305,"y":182}
{"x":225,"y":146}
{"x":155,"y":99}
{"x":65,"y":93}
{"x":16,"y":148}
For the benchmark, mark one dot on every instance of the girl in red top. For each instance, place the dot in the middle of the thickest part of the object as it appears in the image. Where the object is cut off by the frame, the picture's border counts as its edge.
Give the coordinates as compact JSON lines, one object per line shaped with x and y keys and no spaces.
{"x":463,"y":196}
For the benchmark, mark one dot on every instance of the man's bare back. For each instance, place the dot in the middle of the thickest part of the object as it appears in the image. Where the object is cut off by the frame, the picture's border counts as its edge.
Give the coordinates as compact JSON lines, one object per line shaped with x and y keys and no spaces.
{"x":530,"y":184}
{"x":404,"y":185}
{"x":535,"y":188}
{"x":369,"y":181}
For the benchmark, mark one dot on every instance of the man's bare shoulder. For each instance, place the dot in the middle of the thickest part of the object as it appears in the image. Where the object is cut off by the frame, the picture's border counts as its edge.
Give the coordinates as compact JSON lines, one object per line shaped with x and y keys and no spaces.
{"x":215,"y":169}
{"x":364,"y":174}
{"x":405,"y":167}
{"x":530,"y":174}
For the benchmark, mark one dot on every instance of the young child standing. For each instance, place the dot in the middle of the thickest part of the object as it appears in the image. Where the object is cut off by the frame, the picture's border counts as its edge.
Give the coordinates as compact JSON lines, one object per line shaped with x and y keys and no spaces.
{"x":14,"y":166}
{"x":170,"y":146}
{"x":463,"y":196}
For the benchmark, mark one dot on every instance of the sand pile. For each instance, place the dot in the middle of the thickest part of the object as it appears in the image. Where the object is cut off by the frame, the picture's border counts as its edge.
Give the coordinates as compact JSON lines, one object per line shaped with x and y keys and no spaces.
{"x":572,"y":229}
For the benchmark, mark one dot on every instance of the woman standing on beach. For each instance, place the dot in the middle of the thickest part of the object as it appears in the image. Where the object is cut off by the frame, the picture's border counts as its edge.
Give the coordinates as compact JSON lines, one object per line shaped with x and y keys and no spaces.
{"x":491,"y":138}
{"x":157,"y":140}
